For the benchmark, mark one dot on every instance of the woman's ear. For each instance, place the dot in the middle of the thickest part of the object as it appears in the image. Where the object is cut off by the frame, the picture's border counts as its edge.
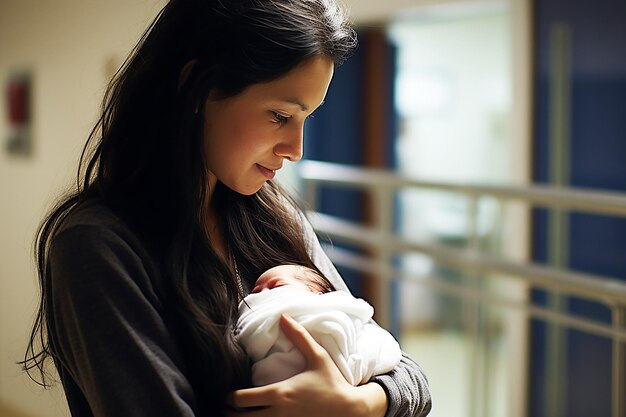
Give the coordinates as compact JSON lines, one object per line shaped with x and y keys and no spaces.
{"x":185,"y":71}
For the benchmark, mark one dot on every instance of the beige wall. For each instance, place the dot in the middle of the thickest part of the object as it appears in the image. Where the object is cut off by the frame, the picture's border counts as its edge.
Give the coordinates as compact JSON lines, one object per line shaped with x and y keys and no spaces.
{"x":66,"y":44}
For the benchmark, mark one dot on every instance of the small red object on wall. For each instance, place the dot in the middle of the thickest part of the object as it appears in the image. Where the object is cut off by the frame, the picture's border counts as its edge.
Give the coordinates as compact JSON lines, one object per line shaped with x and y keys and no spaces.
{"x":18,"y":101}
{"x":18,"y":96}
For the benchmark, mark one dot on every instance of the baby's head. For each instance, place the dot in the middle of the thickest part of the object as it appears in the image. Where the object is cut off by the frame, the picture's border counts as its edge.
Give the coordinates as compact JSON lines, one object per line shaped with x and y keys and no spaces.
{"x":294,"y":276}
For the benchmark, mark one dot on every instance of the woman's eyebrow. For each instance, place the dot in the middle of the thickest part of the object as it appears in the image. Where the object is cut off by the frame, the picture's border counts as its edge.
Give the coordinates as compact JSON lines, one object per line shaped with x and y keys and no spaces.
{"x":297,"y":102}
{"x":303,"y":106}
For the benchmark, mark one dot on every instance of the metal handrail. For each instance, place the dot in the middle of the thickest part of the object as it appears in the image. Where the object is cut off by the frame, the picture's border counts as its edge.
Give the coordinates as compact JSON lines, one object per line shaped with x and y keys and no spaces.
{"x":590,"y":201}
{"x":606,"y":289}
{"x":383,"y":242}
{"x":367,"y":265}
{"x":610,"y":290}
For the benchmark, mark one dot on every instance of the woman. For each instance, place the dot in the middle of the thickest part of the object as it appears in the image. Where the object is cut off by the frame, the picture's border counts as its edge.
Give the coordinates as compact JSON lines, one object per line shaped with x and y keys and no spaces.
{"x":175,"y":215}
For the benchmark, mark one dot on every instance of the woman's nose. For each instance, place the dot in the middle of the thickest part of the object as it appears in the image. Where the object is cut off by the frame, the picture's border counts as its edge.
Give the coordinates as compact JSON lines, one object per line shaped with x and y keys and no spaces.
{"x":290,"y":147}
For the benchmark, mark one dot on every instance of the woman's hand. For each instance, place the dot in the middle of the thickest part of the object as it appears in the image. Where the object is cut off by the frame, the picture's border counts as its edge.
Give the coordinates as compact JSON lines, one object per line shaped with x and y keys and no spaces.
{"x":320,"y":390}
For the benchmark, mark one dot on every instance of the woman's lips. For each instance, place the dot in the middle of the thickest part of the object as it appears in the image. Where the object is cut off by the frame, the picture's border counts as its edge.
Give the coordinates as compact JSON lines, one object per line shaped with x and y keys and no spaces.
{"x":268,"y":173}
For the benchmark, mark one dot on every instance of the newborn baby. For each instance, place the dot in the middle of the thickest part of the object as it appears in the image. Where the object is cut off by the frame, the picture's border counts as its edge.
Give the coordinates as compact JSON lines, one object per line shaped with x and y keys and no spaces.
{"x":337,"y":321}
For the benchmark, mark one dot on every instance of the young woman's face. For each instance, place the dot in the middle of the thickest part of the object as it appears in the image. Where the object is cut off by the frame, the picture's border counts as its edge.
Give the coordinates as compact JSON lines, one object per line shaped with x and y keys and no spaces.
{"x":248,"y":136}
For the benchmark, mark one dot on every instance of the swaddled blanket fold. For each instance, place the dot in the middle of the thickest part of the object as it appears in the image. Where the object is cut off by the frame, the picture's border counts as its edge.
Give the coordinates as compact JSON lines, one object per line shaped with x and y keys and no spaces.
{"x":337,"y":321}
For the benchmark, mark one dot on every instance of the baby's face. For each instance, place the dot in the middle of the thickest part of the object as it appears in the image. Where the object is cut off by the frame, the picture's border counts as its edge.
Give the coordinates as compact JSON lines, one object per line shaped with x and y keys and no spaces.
{"x":292,"y":275}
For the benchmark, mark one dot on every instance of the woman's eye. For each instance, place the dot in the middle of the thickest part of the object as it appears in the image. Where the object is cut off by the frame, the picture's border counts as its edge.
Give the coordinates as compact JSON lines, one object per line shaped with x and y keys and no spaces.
{"x":279,"y":118}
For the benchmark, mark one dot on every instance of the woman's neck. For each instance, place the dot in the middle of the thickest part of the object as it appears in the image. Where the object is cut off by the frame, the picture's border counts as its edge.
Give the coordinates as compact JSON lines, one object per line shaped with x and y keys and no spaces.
{"x":212,"y":225}
{"x":215,"y":234}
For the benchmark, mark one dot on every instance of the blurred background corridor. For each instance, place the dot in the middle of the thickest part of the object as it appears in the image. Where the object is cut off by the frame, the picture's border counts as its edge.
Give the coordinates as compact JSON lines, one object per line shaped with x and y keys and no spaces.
{"x":467,"y":173}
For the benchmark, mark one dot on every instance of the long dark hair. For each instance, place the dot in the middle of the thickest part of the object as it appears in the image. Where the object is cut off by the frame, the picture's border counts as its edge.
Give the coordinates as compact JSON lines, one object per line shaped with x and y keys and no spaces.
{"x":144,"y":161}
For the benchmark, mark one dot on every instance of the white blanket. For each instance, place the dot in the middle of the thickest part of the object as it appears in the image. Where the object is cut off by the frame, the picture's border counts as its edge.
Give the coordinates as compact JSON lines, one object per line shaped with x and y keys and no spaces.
{"x":336,"y":320}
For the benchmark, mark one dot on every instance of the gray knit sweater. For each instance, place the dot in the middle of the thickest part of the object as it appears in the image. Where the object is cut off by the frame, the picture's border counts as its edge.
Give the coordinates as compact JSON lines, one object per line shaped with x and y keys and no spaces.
{"x":117,"y":354}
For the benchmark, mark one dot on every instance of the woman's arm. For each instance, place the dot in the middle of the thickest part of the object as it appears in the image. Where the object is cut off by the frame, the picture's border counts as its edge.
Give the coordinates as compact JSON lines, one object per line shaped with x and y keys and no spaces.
{"x":407,"y":389}
{"x":115,"y":352}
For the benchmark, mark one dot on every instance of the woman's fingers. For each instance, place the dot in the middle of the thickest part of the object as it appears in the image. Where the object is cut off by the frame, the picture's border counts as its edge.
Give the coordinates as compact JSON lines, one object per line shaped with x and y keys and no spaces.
{"x":321,"y":381}
{"x":302,"y":340}
{"x":251,"y":397}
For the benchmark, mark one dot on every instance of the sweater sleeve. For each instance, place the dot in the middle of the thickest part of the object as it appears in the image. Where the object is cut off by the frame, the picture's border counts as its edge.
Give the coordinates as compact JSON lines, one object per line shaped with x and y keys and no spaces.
{"x":108,"y":332}
{"x":406,"y":386}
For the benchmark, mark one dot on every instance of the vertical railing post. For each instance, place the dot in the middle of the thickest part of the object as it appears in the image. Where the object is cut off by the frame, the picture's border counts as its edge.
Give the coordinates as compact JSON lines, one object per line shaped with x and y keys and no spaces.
{"x":559,"y":136}
{"x":619,"y":364}
{"x":477,"y":386}
{"x":382,"y":203}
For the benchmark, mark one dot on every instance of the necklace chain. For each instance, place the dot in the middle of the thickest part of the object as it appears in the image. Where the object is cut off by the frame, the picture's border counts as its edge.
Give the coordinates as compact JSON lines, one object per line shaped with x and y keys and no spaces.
{"x":237,"y":275}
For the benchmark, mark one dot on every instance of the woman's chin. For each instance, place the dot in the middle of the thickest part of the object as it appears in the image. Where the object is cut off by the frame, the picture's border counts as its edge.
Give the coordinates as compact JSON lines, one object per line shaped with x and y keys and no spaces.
{"x":246,"y":190}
